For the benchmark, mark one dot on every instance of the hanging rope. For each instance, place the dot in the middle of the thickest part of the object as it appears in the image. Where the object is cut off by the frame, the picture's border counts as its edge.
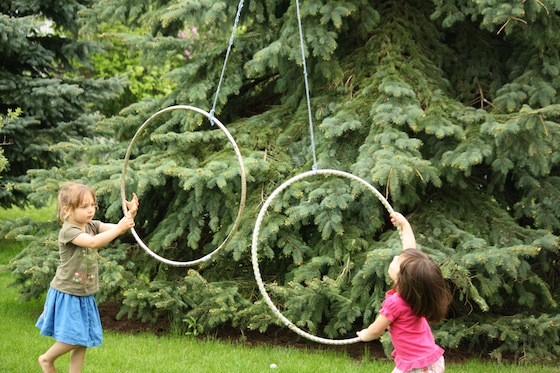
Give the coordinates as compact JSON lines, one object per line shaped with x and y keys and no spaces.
{"x":306,"y":88}
{"x":213,"y":120}
{"x":231,"y":38}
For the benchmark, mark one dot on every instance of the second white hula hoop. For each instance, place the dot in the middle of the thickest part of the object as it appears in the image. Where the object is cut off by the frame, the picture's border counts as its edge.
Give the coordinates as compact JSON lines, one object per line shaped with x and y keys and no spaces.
{"x":241,"y":173}
{"x":255,"y":243}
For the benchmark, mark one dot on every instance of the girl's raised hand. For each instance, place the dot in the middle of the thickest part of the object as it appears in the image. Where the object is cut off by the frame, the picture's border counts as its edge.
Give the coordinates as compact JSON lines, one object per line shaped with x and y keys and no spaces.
{"x":398,"y":219}
{"x":132,"y":205}
{"x":407,"y":235}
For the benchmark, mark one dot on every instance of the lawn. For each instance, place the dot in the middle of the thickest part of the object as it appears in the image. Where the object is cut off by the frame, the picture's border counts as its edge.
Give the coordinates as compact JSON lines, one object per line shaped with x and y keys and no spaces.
{"x":21,"y":344}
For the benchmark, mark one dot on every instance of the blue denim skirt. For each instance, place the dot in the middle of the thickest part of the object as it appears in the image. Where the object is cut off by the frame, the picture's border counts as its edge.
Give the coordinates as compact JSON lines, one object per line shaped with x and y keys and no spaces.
{"x":71,"y":319}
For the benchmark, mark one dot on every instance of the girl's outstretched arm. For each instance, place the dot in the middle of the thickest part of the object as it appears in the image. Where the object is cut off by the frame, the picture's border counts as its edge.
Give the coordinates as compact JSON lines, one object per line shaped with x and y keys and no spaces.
{"x":375,"y":330}
{"x":407,"y":235}
{"x":105,"y":235}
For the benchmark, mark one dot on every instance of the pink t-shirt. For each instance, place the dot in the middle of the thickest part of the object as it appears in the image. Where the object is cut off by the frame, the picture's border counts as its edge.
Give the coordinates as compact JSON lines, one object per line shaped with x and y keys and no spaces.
{"x":411,"y":335}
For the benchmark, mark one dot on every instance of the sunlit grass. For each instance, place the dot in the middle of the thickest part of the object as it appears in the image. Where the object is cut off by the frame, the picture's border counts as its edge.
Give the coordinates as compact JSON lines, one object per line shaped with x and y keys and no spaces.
{"x":42,"y":214}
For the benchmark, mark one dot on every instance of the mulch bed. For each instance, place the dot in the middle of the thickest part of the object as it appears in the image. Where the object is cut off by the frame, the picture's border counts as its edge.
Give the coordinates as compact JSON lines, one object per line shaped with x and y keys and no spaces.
{"x":276,"y":336}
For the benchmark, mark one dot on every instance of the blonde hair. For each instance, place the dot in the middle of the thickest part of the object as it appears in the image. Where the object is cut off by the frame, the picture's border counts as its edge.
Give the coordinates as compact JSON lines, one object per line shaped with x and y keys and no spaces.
{"x":70,"y":196}
{"x":421,"y":284}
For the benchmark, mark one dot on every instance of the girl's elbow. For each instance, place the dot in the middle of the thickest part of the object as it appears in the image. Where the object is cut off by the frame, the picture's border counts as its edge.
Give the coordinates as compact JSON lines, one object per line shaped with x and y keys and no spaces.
{"x":96,"y":244}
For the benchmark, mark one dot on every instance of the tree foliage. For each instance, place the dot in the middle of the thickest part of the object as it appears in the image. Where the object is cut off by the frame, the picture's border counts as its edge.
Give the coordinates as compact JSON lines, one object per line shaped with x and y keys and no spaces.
{"x":41,"y":57}
{"x":4,"y":142}
{"x":451,"y":109}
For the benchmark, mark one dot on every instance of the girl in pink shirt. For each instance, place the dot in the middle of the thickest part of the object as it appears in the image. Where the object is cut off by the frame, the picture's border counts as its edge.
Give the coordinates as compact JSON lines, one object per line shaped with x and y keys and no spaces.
{"x":419,"y":294}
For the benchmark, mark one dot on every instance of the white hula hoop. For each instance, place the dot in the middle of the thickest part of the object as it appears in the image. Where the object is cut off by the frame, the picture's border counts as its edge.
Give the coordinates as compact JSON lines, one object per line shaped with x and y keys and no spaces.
{"x":241,"y":173}
{"x":255,"y":242}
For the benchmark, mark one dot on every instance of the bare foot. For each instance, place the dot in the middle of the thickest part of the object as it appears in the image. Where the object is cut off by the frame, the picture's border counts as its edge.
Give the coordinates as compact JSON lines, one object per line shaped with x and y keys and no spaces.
{"x":47,"y":366}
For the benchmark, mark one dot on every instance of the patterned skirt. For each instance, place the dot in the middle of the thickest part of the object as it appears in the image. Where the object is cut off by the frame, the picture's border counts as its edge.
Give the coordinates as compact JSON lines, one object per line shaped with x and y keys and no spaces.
{"x":71,"y":319}
{"x":437,"y":367}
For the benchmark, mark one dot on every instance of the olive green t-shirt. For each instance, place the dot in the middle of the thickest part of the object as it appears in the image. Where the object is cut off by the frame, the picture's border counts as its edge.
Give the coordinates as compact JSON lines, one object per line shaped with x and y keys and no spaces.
{"x":77,"y":272}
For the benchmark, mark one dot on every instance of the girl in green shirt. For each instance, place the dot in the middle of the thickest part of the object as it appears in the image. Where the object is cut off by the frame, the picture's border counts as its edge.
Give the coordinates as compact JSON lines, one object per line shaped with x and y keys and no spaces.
{"x":70,"y":314}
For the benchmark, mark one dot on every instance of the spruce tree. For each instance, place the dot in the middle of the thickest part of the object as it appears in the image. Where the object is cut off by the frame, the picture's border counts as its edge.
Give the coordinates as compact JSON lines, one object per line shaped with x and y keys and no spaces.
{"x":450,"y":109}
{"x":43,"y":72}
{"x":3,"y":160}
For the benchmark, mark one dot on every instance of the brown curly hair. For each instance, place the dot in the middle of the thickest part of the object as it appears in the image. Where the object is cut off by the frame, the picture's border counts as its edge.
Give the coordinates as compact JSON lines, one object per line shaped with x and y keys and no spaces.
{"x":421,"y":284}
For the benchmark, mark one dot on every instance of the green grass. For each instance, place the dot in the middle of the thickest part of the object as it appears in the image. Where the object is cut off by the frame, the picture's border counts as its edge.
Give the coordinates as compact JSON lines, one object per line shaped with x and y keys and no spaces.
{"x":145,"y":352}
{"x":42,"y":214}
